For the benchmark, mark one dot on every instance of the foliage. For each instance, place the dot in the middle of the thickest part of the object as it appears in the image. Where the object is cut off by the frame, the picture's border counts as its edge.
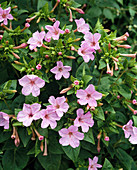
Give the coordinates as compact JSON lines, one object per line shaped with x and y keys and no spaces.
{"x":112,"y":71}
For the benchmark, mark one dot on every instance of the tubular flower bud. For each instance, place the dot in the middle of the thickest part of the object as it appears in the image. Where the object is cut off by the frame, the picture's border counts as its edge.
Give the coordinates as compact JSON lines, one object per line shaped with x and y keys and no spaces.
{"x":124,"y":46}
{"x":39,"y":136}
{"x":52,"y":19}
{"x":116,"y":66}
{"x":70,"y":17}
{"x":45,"y":46}
{"x":71,"y":57}
{"x":115,"y":59}
{"x":45,"y":149}
{"x":60,"y":53}
{"x":55,"y":6}
{"x":17,"y":140}
{"x":13,"y":136}
{"x":98,"y":145}
{"x":122,"y":38}
{"x":74,"y":49}
{"x":129,"y":55}
{"x":126,"y":34}
{"x":41,"y":146}
{"x":108,"y":69}
{"x":79,"y":10}
{"x":33,"y":135}
{"x":30,"y":19}
{"x":15,"y":55}
{"x":109,"y":46}
{"x":134,"y":111}
{"x":66,"y":89}
{"x":112,"y":71}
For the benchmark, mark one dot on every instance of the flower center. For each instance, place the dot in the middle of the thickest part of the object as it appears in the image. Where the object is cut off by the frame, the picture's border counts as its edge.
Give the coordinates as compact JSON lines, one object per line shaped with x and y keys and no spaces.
{"x":70,"y":133}
{"x":32,"y":83}
{"x":46,"y":116}
{"x":57,"y":106}
{"x":93,"y":43}
{"x":4,"y":16}
{"x":60,"y":69}
{"x":88,"y":95}
{"x":30,"y":115}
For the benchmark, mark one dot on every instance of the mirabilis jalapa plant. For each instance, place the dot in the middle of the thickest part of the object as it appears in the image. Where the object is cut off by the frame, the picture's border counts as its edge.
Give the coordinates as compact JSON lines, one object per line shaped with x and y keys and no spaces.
{"x":70,"y":92}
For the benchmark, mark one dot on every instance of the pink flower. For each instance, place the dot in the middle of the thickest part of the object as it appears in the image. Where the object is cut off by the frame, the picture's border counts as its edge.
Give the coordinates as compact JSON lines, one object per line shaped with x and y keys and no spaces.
{"x":133,"y":138}
{"x":70,"y":136}
{"x":49,"y":117}
{"x":59,"y":105}
{"x":92,"y":39}
{"x":38,"y":67}
{"x":4,"y":120}
{"x":83,"y":120}
{"x":29,"y":113}
{"x":88,"y":96}
{"x":86,"y":52}
{"x":4,"y":15}
{"x":128,"y":129}
{"x":36,"y":40}
{"x":93,"y":164}
{"x":31,"y":84}
{"x":81,"y":26}
{"x":54,"y":31}
{"x":61,"y":70}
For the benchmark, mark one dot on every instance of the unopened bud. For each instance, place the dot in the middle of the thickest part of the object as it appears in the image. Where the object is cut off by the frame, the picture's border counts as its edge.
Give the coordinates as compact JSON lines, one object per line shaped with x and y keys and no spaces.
{"x":38,"y":67}
{"x":106,"y":138}
{"x":124,"y":46}
{"x":67,"y":31}
{"x":80,"y":11}
{"x":46,"y":56}
{"x":32,"y":69}
{"x":76,"y":82}
{"x":134,"y":101}
{"x":60,"y":53}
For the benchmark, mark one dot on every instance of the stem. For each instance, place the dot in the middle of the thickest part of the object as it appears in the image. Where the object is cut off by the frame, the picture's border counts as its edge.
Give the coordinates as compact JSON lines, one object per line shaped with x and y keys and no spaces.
{"x":121,"y":75}
{"x":100,"y":76}
{"x":6,"y":104}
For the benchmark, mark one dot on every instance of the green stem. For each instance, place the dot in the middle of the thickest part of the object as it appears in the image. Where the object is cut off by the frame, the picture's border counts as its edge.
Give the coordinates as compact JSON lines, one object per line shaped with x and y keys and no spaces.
{"x":100,"y":76}
{"x":6,"y":104}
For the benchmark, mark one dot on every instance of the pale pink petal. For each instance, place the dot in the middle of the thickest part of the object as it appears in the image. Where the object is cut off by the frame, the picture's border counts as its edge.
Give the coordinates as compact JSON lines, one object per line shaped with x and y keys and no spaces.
{"x":92,"y":102}
{"x":9,"y":16}
{"x":5,"y":21}
{"x":81,"y":93}
{"x":27,"y":122}
{"x":74,"y":142}
{"x":24,"y":81}
{"x":35,"y":107}
{"x":66,"y":75}
{"x":54,"y":70}
{"x":82,"y":101}
{"x":59,"y":64}
{"x":64,"y":141}
{"x":63,"y":132}
{"x":56,"y":24}
{"x":97,"y":36}
{"x":96,"y":95}
{"x":39,"y":82}
{"x":26,"y":90}
{"x":45,"y":123}
{"x":90,"y":89}
{"x":52,"y":100}
{"x":79,"y":135}
{"x":58,"y":76}
{"x":35,"y":91}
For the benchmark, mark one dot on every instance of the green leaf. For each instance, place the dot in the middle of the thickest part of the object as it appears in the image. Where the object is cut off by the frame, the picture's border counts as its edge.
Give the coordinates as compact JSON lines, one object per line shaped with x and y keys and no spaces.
{"x":82,"y":69}
{"x":102,"y":64}
{"x":23,"y":133}
{"x":125,"y":159}
{"x":135,"y":120}
{"x":132,"y":11}
{"x":86,"y":79}
{"x":50,"y":162}
{"x":120,"y":1}
{"x":31,"y":99}
{"x":89,"y":136}
{"x":107,"y":165}
{"x":124,"y":91}
{"x":108,"y":14}
{"x":92,"y":12}
{"x":45,"y":9}
{"x":41,"y":3}
{"x":37,"y":147}
{"x":15,"y":159}
{"x":100,"y":114}
{"x":72,"y":153}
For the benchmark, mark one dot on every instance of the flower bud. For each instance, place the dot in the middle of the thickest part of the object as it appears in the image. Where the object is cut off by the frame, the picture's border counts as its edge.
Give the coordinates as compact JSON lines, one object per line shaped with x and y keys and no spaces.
{"x":80,"y":11}
{"x":27,"y":25}
{"x":38,"y":67}
{"x":67,"y":31}
{"x":60,"y":53}
{"x":76,"y":82}
{"x":134,"y":101}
